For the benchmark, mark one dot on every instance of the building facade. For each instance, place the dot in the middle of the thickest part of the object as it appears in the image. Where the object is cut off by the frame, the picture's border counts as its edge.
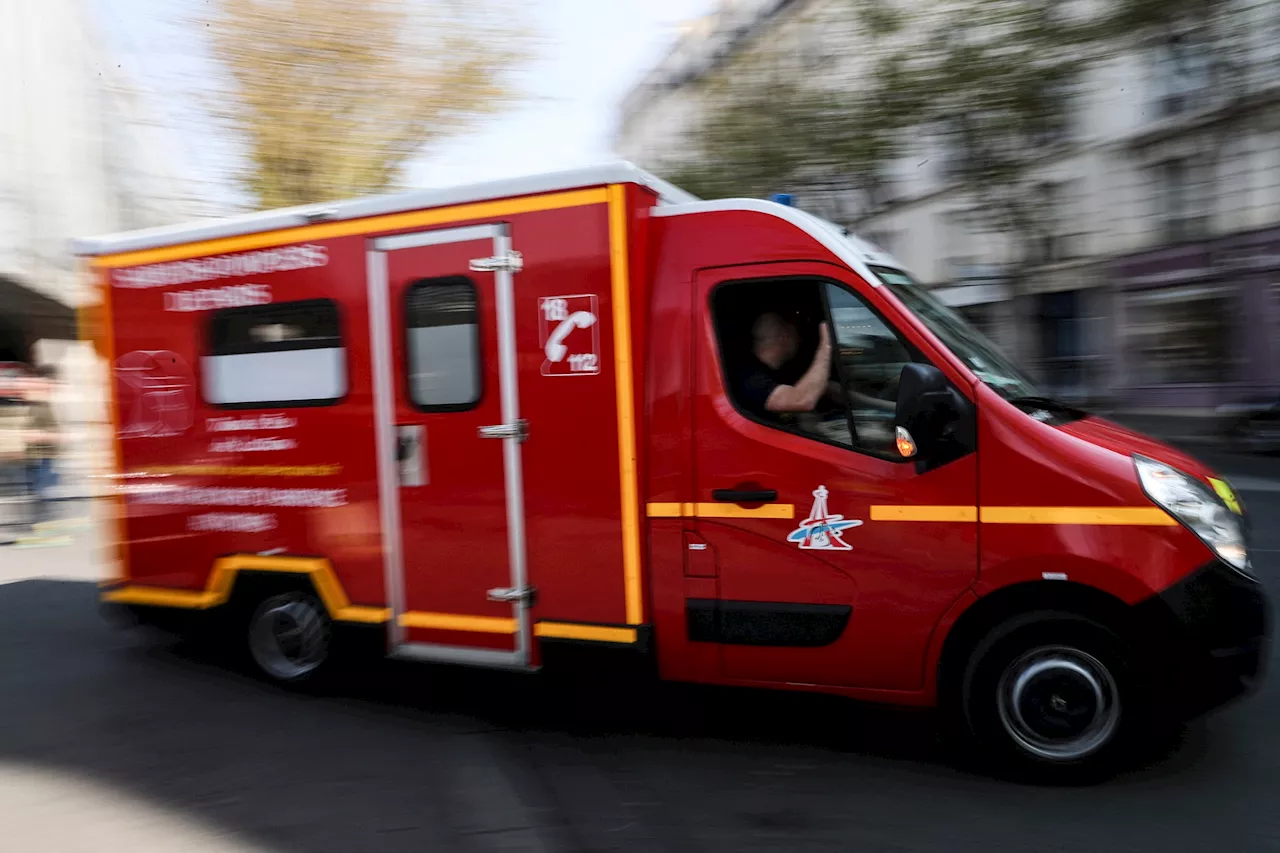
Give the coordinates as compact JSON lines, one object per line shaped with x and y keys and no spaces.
{"x":1159,"y":286}
{"x":79,"y":155}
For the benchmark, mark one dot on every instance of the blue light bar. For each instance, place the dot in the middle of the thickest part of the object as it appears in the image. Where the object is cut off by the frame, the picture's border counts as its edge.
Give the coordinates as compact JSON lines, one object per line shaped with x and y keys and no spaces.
{"x":782,"y":198}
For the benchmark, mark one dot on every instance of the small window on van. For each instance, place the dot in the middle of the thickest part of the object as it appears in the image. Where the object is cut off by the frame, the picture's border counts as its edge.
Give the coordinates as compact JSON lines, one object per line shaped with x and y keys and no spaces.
{"x":274,"y":356}
{"x":442,"y":348}
{"x":768,"y":333}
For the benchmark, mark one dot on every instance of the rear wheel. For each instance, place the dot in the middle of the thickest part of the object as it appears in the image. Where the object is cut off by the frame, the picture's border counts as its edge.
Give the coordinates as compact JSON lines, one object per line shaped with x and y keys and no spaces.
{"x":1056,"y":696}
{"x":289,"y":636}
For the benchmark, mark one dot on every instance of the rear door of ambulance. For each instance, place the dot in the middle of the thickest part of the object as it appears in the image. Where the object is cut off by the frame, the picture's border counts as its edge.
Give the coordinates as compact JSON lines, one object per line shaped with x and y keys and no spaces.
{"x":497,"y":405}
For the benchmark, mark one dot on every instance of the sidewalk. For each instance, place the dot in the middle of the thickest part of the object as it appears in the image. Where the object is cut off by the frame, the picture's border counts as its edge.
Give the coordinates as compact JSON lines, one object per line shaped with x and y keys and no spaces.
{"x":65,"y":548}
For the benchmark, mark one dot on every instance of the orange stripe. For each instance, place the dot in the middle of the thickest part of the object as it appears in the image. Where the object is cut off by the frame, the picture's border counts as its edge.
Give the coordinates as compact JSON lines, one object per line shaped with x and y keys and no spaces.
{"x":625,"y":393}
{"x":223,"y":576}
{"x":458,"y":622}
{"x":1106,"y":515}
{"x":117,"y":501}
{"x":924,"y":513}
{"x":347,"y":228}
{"x":718,"y":510}
{"x":597,"y":633}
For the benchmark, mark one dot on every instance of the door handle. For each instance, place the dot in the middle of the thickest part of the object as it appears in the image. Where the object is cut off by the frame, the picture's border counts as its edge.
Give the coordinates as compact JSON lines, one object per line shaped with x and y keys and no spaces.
{"x":528,"y":596}
{"x":518,"y":430}
{"x":734,"y":496}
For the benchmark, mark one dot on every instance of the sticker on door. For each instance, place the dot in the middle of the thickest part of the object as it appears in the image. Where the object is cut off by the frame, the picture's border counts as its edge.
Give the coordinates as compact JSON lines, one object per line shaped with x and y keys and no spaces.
{"x":569,"y":332}
{"x":822,"y":531}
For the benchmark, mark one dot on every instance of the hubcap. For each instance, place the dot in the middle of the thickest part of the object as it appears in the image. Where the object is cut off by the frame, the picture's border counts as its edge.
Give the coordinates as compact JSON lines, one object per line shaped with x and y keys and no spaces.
{"x":288,"y":636}
{"x":1059,"y":703}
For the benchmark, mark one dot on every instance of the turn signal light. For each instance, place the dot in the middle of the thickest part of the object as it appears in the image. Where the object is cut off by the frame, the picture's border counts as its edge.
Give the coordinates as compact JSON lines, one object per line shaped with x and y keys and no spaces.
{"x":906,"y":444}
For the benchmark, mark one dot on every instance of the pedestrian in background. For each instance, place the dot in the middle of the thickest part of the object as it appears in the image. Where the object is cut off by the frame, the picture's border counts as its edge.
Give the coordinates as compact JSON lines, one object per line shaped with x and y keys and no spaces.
{"x":13,"y":452}
{"x":41,"y":439}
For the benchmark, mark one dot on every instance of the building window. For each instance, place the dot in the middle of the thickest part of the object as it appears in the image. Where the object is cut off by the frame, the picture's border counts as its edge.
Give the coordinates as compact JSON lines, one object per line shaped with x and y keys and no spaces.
{"x":1183,"y":74}
{"x":856,"y":409}
{"x":960,"y":243}
{"x":1183,"y":195}
{"x":1180,"y":335}
{"x":273,"y":356}
{"x":442,"y":348}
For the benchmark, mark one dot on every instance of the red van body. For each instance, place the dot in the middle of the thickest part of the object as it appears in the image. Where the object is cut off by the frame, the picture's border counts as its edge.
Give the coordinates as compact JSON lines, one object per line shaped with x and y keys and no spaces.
{"x":499,"y":417}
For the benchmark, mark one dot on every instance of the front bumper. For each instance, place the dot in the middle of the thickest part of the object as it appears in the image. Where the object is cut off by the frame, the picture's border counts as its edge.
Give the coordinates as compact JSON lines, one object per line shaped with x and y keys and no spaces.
{"x":1213,"y":629}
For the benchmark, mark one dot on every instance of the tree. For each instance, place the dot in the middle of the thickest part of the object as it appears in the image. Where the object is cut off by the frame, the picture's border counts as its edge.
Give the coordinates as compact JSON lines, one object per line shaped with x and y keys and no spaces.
{"x":330,"y":98}
{"x":782,"y":136}
{"x":770,"y":129}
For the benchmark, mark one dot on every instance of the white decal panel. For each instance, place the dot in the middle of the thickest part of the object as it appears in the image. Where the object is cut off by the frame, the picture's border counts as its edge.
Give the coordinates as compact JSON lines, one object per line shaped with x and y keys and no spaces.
{"x":569,"y":334}
{"x":822,"y":531}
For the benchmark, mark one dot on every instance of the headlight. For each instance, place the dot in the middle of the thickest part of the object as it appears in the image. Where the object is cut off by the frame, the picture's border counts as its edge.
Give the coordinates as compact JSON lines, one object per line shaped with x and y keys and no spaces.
{"x":1199,"y":509}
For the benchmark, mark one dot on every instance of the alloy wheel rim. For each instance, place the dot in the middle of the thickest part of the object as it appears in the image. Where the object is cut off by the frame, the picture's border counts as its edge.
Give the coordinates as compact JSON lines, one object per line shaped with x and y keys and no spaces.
{"x":1059,"y":703}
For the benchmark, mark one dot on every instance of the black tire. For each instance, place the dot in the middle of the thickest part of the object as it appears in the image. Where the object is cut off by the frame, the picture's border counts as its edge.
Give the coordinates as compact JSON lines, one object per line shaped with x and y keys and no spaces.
{"x":288,"y":637}
{"x":1053,"y":697}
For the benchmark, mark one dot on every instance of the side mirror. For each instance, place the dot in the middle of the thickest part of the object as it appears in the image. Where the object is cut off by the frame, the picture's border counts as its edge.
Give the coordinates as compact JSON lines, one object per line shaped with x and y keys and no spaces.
{"x":933,"y":415}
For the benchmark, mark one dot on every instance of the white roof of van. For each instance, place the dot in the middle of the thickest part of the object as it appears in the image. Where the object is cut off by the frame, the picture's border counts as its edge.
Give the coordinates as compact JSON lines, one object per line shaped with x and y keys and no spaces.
{"x":290,"y":217}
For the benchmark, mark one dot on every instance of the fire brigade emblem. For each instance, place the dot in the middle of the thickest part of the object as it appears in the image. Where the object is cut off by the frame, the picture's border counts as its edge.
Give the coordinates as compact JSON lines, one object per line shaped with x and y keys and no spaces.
{"x":822,"y":531}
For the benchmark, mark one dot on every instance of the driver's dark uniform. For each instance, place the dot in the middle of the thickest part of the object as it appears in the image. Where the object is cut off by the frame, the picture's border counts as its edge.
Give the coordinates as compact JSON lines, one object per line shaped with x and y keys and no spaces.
{"x":754,"y":381}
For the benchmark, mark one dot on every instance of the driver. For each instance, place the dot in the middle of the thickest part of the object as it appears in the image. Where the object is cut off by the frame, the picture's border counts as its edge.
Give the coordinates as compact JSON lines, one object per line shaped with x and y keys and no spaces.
{"x":774,"y":343}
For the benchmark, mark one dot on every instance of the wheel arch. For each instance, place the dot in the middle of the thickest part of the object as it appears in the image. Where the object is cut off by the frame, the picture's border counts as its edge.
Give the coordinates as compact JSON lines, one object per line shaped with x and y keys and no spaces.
{"x":226,"y":580}
{"x":991,"y":610}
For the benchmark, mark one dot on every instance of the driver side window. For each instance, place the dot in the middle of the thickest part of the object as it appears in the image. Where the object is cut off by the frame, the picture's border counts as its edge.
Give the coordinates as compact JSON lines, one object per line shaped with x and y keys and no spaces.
{"x":768,"y":334}
{"x":869,"y":357}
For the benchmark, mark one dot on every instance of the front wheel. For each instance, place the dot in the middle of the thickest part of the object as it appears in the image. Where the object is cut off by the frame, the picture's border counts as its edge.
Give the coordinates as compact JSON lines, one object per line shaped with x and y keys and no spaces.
{"x":289,"y":636}
{"x":1057,"y":696}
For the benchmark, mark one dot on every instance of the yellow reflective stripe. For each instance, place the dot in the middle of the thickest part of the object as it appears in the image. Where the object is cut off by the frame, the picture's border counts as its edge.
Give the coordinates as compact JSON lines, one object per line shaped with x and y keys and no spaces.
{"x":347,"y":228}
{"x":223,"y":577}
{"x":367,"y":615}
{"x":117,"y":504}
{"x":572,"y":631}
{"x":154,"y":596}
{"x":625,"y":391}
{"x":1123,"y":515}
{"x":719,"y":510}
{"x":1104,"y":516}
{"x":458,"y":622}
{"x":924,"y":513}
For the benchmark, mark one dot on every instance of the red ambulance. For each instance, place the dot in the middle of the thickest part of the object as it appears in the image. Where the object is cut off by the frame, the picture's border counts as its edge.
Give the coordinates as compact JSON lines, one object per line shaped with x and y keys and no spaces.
{"x":485,"y":420}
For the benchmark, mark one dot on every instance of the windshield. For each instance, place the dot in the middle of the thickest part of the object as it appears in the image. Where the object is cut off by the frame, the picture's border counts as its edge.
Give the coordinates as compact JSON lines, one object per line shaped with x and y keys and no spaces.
{"x":967,"y":343}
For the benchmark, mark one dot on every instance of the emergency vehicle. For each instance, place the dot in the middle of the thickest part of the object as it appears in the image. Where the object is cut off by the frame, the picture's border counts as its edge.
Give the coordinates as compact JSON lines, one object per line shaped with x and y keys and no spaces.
{"x":489,"y":419}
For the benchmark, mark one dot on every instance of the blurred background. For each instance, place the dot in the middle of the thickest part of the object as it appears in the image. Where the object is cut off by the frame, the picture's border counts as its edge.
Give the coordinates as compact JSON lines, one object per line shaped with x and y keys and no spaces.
{"x":1094,"y":183}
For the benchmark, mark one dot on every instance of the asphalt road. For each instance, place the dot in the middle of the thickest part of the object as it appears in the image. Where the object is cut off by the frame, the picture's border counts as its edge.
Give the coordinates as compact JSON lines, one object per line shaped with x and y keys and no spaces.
{"x":111,"y":740}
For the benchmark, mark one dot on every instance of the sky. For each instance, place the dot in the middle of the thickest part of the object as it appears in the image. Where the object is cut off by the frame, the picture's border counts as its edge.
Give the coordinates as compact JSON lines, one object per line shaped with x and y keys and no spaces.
{"x":592,"y":52}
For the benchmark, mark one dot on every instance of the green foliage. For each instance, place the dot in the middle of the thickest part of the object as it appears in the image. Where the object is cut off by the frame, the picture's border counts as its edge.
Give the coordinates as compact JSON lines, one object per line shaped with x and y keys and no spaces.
{"x":778,"y":136}
{"x":994,"y":83}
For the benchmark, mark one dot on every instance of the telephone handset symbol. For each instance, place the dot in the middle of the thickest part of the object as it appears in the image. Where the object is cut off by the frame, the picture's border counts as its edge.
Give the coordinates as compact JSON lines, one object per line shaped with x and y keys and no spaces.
{"x":556,"y":349}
